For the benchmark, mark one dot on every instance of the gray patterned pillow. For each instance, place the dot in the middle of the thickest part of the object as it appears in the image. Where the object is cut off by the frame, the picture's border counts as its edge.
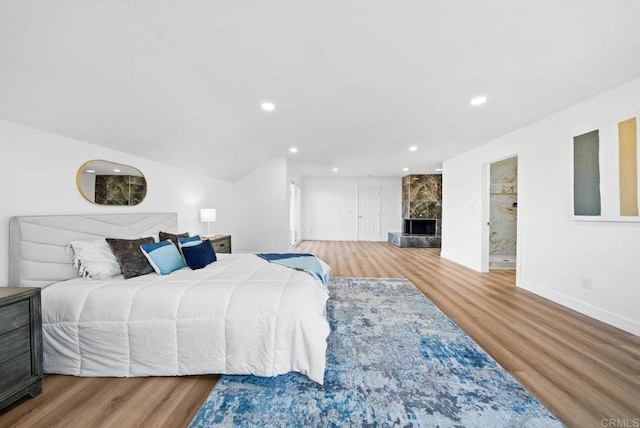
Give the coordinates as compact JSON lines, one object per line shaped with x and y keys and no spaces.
{"x":130,"y":256}
{"x":172,"y":237}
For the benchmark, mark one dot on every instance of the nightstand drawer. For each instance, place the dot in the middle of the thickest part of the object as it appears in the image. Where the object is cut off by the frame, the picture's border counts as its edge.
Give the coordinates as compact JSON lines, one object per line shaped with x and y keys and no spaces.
{"x":14,"y":343}
{"x":15,"y":369}
{"x":222,"y":246}
{"x":14,"y":316}
{"x":20,"y":344}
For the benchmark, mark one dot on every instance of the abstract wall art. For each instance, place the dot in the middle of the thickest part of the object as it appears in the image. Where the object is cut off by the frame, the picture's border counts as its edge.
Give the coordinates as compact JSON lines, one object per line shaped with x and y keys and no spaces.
{"x":628,"y":159}
{"x":586,"y":174}
{"x":605,"y":173}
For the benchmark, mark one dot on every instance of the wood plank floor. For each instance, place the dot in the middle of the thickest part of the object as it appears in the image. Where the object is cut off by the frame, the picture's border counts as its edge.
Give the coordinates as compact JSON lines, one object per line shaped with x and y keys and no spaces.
{"x":583,"y":370}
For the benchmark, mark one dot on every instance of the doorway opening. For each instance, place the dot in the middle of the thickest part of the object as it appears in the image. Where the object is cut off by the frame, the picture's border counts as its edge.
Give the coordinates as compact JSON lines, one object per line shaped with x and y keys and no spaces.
{"x":295,"y":214}
{"x":503,"y":214}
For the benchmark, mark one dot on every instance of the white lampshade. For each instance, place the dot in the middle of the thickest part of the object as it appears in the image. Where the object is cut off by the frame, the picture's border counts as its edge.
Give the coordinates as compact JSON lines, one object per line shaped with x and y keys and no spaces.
{"x":207,"y":215}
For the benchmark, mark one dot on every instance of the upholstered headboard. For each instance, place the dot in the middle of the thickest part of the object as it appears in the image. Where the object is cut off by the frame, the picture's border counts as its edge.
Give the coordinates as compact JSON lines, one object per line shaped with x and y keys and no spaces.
{"x":37,"y":244}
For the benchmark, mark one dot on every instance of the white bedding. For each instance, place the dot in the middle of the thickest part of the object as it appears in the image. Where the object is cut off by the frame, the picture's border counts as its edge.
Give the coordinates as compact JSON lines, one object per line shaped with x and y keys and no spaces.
{"x":239,"y":315}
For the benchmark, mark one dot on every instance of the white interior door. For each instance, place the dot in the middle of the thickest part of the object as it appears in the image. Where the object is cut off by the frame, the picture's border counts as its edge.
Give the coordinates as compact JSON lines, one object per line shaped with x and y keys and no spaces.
{"x":368,"y":214}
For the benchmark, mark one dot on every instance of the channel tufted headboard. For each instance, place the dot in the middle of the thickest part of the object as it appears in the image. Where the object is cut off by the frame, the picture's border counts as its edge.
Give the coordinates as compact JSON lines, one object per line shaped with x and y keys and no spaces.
{"x":38,"y":244}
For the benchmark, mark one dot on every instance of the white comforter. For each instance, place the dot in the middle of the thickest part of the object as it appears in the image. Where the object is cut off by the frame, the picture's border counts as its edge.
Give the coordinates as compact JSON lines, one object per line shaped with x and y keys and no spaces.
{"x":239,"y":315}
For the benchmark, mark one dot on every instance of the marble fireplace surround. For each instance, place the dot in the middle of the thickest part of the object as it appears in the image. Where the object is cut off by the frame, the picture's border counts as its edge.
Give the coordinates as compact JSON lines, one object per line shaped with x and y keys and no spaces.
{"x":421,"y":212}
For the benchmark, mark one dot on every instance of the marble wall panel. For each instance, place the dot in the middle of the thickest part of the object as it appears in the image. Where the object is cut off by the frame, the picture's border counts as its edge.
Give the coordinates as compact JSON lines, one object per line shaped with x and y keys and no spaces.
{"x":504,"y":196}
{"x":422,"y":196}
{"x":504,"y":176}
{"x":120,"y":190}
{"x":138,"y":189}
{"x":425,"y":209}
{"x":503,"y":224}
{"x":406,"y":196}
{"x":426,"y":187}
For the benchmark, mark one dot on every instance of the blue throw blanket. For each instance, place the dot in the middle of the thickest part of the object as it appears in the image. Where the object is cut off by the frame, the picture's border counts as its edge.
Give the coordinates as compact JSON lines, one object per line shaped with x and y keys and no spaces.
{"x":299,"y":261}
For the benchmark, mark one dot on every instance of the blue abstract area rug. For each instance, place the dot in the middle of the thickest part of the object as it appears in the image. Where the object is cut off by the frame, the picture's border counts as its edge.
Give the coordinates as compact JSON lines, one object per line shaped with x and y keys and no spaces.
{"x":393,"y":359}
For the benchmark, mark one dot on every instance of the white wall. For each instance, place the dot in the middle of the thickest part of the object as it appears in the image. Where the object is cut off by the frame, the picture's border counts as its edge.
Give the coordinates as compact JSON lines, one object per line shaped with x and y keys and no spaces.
{"x":293,"y":174}
{"x":330,"y":207}
{"x":261,"y":209}
{"x":88,"y":186}
{"x":554,"y":252}
{"x":38,"y":177}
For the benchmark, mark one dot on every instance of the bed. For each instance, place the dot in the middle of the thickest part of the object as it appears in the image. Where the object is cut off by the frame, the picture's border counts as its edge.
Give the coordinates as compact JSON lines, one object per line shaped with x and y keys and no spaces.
{"x":239,"y":315}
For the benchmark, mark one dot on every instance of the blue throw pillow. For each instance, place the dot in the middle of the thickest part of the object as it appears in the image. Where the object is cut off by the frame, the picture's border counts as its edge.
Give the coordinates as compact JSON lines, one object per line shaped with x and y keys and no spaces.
{"x":163,"y":256}
{"x":189,"y":241}
{"x":200,"y":255}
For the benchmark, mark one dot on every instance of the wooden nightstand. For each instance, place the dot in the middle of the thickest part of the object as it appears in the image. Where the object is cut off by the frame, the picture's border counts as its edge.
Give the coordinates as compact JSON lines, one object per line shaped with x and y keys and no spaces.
{"x":221,"y":243}
{"x":20,"y":344}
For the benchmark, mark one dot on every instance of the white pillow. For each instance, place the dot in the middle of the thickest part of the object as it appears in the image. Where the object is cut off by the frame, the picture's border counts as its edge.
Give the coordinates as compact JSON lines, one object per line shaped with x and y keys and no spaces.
{"x":94,"y":259}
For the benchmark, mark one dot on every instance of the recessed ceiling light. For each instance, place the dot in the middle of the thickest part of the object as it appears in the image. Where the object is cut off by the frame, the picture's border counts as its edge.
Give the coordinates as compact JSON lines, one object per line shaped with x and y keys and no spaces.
{"x":116,"y":170}
{"x":91,"y":171}
{"x":479,"y":100}
{"x":405,"y":169}
{"x":413,"y":148}
{"x":438,"y":169}
{"x":334,"y":169}
{"x":293,"y":149}
{"x":267,"y":106}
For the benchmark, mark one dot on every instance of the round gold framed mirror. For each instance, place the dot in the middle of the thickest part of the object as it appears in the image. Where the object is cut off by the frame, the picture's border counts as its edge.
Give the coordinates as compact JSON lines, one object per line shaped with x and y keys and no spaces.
{"x":109,"y":183}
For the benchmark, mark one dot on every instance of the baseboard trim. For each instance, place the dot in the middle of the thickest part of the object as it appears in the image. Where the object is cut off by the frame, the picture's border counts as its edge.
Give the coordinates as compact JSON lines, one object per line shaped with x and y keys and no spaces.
{"x":615,"y":320}
{"x":444,"y":255}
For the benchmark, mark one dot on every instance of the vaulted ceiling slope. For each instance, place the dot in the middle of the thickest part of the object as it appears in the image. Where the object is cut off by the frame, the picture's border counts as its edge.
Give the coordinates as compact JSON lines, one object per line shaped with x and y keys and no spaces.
{"x":355,"y":82}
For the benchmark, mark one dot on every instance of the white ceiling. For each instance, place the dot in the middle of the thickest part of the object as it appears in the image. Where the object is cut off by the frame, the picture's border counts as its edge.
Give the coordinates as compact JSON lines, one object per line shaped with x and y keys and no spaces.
{"x":355,"y":83}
